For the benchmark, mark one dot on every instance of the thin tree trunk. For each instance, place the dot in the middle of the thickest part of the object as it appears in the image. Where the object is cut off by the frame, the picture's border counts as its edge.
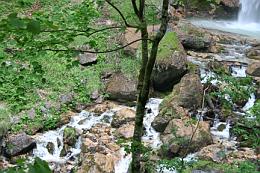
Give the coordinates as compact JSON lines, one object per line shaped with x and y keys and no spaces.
{"x":145,"y":76}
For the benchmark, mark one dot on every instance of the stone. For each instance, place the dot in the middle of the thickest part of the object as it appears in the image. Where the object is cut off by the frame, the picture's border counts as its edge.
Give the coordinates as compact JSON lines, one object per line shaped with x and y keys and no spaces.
{"x":225,"y":152}
{"x":123,"y":116}
{"x":105,"y":163}
{"x":87,"y":59}
{"x":126,"y":131}
{"x":70,"y":136}
{"x":121,"y":88}
{"x":171,"y":63}
{"x":65,"y":118}
{"x":18,"y":144}
{"x":178,"y":134}
{"x":102,"y":107}
{"x":50,"y":147}
{"x":254,"y":69}
{"x":66,"y":98}
{"x":186,"y":95}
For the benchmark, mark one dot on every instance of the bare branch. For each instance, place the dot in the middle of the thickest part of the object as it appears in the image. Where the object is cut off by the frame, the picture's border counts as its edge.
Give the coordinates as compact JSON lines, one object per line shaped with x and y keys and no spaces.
{"x":121,"y":14}
{"x":135,"y":7}
{"x":89,"y":51}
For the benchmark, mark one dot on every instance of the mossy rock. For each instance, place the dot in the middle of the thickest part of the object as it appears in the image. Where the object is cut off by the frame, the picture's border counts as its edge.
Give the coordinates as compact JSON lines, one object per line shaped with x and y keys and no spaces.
{"x":171,"y":63}
{"x":70,"y":136}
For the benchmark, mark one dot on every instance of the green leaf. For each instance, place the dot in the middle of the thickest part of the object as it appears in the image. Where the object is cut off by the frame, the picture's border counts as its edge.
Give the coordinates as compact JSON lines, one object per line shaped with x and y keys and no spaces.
{"x":34,"y":27}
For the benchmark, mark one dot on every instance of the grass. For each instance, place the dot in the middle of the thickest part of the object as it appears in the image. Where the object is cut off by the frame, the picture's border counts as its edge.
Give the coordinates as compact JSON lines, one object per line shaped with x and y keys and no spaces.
{"x":168,"y":45}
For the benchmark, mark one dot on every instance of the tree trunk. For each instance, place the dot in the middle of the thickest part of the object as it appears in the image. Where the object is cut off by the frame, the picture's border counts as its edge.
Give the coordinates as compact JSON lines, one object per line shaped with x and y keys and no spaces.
{"x":144,"y":81}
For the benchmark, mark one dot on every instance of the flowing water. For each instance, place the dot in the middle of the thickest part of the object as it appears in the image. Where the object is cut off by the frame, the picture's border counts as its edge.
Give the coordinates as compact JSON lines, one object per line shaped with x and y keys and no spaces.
{"x":248,"y":22}
{"x":86,"y":120}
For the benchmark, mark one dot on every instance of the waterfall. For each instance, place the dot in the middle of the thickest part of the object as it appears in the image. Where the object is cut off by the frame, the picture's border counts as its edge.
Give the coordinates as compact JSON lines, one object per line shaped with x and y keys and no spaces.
{"x":249,"y":12}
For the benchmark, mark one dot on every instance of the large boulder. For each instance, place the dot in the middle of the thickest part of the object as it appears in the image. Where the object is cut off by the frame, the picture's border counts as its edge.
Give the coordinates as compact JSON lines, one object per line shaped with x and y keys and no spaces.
{"x":126,"y":131}
{"x":254,"y":52}
{"x":123,"y":116}
{"x":254,"y":69}
{"x":178,"y":133}
{"x":185,"y":96}
{"x":226,"y":152}
{"x":122,"y":88}
{"x":87,"y":59}
{"x":171,"y":63}
{"x":18,"y":144}
{"x":194,"y":38}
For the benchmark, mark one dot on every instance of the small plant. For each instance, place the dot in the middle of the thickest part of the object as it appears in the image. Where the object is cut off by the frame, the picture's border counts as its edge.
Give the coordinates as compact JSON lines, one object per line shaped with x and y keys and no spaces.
{"x":37,"y":166}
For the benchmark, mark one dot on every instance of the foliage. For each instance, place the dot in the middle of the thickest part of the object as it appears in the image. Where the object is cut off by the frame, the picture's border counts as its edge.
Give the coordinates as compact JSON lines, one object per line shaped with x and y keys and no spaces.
{"x":128,"y":12}
{"x":247,"y":129}
{"x":239,"y":167}
{"x":22,"y":167}
{"x":232,"y":90}
{"x":4,"y":121}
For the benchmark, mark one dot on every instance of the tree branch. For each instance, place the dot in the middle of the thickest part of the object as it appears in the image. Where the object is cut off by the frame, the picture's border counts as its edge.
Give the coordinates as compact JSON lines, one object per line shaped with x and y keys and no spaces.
{"x":141,"y":8}
{"x":135,"y":7}
{"x":89,"y":51}
{"x":121,"y":14}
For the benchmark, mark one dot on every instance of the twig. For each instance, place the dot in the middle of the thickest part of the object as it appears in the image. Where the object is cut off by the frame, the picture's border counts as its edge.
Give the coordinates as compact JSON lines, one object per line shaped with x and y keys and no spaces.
{"x":196,"y":128}
{"x":121,"y":15}
{"x":89,"y":51}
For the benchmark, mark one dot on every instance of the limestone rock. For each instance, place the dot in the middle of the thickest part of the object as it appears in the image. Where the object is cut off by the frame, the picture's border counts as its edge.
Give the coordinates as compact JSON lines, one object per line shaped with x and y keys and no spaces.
{"x":254,"y":69}
{"x":185,"y":96}
{"x":171,"y":63}
{"x":126,"y":131}
{"x":122,"y":88}
{"x":87,"y":59}
{"x":178,"y":133}
{"x":18,"y":144}
{"x":123,"y":116}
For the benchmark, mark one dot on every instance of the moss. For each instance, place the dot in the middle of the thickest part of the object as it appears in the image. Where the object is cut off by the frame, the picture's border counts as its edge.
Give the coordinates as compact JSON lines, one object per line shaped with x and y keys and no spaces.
{"x":169,"y":44}
{"x":70,"y":136}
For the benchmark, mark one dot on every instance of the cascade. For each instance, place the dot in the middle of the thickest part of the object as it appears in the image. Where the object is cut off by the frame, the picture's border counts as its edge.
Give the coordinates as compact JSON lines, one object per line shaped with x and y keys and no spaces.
{"x":249,"y":12}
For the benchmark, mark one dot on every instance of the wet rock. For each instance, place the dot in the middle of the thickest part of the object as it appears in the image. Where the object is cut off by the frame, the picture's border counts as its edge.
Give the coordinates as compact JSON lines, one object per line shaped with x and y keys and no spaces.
{"x":178,"y":134}
{"x":171,"y":63}
{"x":254,"y":52}
{"x":122,"y":88}
{"x":102,"y":107}
{"x":126,"y":131}
{"x":105,"y":162}
{"x":226,"y":152}
{"x":191,"y":42}
{"x":123,"y":116}
{"x":186,"y":95}
{"x":50,"y":147}
{"x":18,"y":144}
{"x":254,"y":69}
{"x":87,"y":59}
{"x":218,"y":67}
{"x":65,"y":118}
{"x":70,"y":136}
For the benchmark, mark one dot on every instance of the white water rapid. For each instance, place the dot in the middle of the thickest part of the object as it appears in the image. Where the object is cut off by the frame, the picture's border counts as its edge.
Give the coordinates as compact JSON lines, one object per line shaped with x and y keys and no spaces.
{"x":248,"y":22}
